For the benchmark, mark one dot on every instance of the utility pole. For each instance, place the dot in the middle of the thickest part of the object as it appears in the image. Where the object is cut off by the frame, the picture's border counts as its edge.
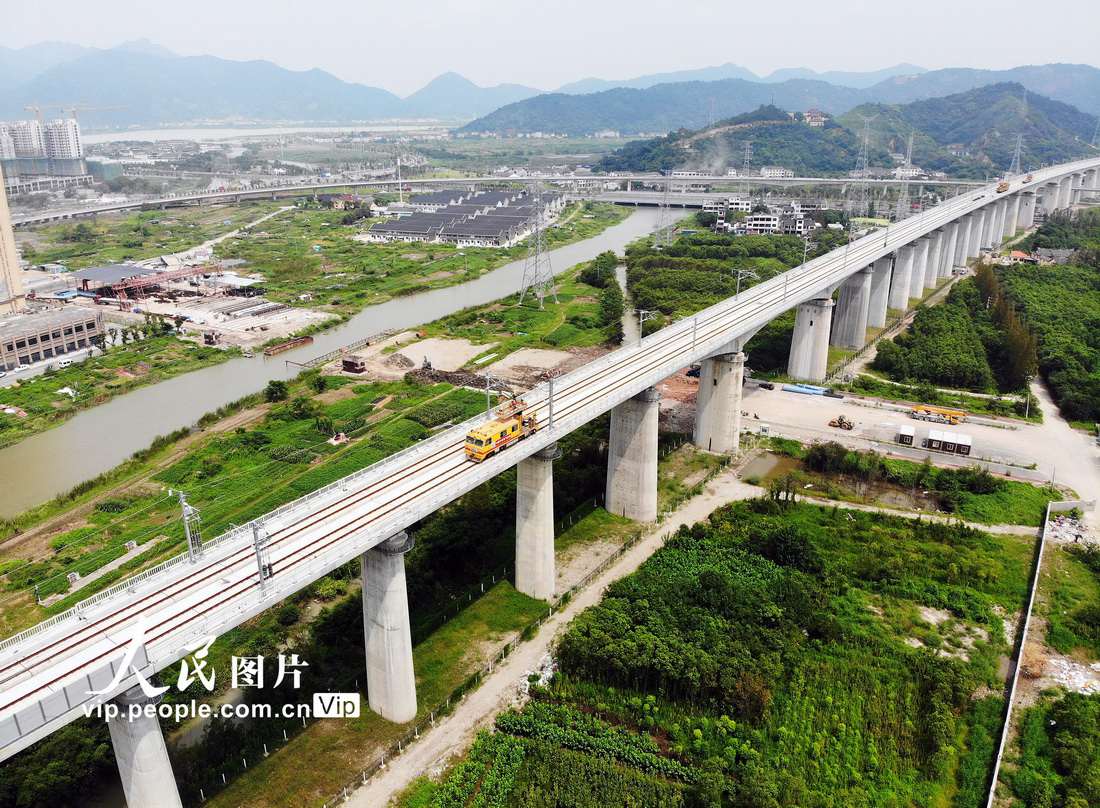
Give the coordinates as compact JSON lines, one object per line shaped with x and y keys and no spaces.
{"x":191,"y":520}
{"x":643,"y":315}
{"x":259,"y":547}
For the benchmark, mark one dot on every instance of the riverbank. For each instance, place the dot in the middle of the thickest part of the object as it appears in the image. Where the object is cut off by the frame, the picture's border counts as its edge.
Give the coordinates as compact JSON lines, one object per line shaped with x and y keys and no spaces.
{"x":99,"y":439}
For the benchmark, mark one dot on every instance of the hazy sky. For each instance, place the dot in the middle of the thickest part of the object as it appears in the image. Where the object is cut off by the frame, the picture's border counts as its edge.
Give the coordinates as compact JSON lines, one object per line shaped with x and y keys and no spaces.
{"x":401,"y":44}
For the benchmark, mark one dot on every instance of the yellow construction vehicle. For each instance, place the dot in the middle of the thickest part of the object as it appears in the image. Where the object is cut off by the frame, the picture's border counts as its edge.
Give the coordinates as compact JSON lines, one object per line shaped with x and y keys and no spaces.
{"x":1002,"y":187}
{"x":512,"y":422}
{"x":840,"y":422}
{"x":939,"y":415}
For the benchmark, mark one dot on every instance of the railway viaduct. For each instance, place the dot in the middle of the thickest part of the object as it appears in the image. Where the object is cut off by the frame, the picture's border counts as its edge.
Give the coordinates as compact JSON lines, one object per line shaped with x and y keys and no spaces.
{"x":47,"y":672}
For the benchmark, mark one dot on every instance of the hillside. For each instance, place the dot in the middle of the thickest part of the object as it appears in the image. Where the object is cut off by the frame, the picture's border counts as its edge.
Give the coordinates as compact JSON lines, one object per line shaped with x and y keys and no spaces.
{"x":984,"y":121}
{"x":1078,"y":85}
{"x":665,"y":107}
{"x":453,"y":96}
{"x":662,"y":108}
{"x":776,"y":140}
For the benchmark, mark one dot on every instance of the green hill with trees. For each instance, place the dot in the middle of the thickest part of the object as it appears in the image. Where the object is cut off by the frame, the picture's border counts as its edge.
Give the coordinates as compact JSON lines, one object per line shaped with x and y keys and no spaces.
{"x":973,"y":133}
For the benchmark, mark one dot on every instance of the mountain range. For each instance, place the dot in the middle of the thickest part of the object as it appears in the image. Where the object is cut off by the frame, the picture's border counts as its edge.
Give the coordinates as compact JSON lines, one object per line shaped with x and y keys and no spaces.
{"x":694,"y":104}
{"x":967,"y":134}
{"x":141,"y":83}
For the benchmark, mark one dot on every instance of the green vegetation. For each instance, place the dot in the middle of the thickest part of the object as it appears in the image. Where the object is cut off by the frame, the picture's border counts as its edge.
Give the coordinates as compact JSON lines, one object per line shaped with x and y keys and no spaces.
{"x":832,"y":471}
{"x":926,"y":393}
{"x":701,"y":269}
{"x":1061,"y":305}
{"x":588,"y":312}
{"x":136,"y":236}
{"x":232,"y":477}
{"x":777,"y":654}
{"x":1072,"y":589}
{"x":311,"y":252}
{"x":985,"y":120}
{"x":776,"y":140}
{"x":1057,"y":764}
{"x":100,"y":378}
{"x":974,"y":340}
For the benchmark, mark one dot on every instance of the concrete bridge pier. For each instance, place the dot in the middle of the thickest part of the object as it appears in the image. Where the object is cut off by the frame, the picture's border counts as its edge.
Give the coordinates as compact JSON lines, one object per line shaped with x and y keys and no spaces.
{"x":718,"y":405}
{"x":632,"y":458}
{"x":996,"y":225}
{"x":975,"y":248}
{"x":1012,"y":216}
{"x":391,"y":682}
{"x":962,"y":244}
{"x":880,"y":291}
{"x":932,"y":267}
{"x":809,"y":359}
{"x":1065,"y":193}
{"x":852,"y":310}
{"x":947,"y":254}
{"x":1026,"y":217}
{"x":999,"y":224}
{"x":535,"y":572}
{"x":920,"y":261}
{"x":900,"y":281}
{"x":143,"y":764}
{"x":988,"y":225}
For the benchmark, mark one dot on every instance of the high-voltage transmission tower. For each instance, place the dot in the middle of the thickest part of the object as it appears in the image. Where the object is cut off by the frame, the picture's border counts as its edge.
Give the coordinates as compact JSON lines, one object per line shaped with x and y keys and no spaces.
{"x":861,"y":167}
{"x":663,"y":231}
{"x":904,"y":207}
{"x":1015,"y":169}
{"x":1096,"y":136}
{"x":538,"y":276}
{"x":746,"y":167}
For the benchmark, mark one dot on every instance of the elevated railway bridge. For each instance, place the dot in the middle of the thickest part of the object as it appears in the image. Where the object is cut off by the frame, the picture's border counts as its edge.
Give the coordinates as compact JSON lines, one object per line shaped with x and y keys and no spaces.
{"x":47,"y":672}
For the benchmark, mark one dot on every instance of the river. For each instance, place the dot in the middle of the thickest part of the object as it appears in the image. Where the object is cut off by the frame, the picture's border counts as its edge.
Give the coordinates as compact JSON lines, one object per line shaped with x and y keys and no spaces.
{"x":215,"y":133}
{"x":98,"y":439}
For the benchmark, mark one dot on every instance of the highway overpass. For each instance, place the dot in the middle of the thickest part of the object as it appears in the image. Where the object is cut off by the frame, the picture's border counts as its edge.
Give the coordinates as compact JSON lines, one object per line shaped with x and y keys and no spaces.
{"x":46,"y":672}
{"x":215,"y":197}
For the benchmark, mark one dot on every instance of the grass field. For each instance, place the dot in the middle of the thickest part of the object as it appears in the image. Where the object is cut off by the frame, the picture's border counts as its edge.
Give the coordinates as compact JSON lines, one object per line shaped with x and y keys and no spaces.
{"x":231,"y":478}
{"x":309,"y":252}
{"x":136,"y":236}
{"x":570,"y":322}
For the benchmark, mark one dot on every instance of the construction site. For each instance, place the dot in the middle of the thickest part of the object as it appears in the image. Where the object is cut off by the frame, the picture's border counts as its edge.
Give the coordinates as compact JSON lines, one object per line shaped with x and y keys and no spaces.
{"x":208,"y":302}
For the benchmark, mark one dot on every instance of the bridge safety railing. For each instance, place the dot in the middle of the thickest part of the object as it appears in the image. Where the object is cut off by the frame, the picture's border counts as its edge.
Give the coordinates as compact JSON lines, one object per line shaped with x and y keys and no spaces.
{"x":675,"y":331}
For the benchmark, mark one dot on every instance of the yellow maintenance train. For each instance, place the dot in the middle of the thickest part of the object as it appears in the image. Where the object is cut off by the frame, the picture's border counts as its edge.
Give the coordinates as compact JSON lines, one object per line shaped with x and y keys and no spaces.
{"x":513,"y":422}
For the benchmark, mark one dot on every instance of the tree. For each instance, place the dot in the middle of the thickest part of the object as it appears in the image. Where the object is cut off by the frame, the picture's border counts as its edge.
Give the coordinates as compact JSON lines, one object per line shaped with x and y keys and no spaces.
{"x":276,"y":390}
{"x":318,"y":383}
{"x":611,"y":311}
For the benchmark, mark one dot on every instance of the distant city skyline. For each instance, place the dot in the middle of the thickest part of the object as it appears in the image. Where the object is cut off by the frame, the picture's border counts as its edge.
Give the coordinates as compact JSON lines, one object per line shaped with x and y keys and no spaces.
{"x":400,"y":47}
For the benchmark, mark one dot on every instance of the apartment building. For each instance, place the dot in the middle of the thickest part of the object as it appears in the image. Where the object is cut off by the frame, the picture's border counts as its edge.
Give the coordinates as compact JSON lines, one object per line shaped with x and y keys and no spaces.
{"x":11,"y":274}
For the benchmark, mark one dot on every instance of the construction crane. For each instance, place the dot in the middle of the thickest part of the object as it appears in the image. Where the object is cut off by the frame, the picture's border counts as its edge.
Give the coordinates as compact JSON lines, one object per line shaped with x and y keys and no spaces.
{"x":72,"y":109}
